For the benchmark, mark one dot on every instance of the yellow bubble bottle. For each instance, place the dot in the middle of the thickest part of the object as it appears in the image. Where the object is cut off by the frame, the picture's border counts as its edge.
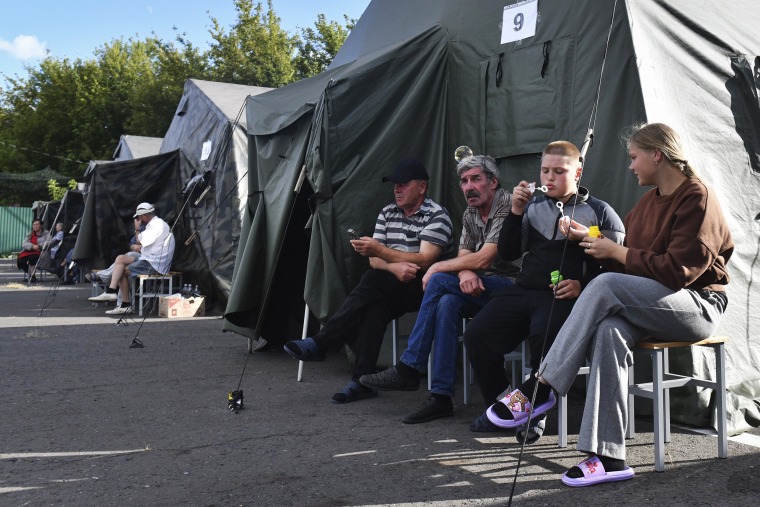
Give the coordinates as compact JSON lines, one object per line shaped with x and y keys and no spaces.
{"x":594,"y":231}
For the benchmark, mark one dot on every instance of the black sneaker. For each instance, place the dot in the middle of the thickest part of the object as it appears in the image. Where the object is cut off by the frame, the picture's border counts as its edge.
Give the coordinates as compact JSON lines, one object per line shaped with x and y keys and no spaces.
{"x":433,"y":408}
{"x":390,"y":380}
{"x":531,"y":436}
{"x":483,"y":425}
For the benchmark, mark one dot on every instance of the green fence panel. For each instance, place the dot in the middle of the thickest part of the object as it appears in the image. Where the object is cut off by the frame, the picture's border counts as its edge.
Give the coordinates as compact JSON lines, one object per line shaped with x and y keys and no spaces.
{"x":15,"y":223}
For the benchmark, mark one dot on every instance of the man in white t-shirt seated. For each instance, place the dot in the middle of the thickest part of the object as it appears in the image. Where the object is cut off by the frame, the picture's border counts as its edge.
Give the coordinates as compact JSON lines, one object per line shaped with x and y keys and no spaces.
{"x":156,"y":246}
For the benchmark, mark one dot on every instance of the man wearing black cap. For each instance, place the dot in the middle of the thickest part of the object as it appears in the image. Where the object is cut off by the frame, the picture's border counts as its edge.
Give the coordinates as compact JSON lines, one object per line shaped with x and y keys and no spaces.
{"x":454,"y":289}
{"x":410,"y":235}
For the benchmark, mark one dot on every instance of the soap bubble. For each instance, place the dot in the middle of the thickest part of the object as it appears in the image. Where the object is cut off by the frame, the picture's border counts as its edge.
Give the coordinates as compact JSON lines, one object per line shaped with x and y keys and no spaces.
{"x":462,"y":153}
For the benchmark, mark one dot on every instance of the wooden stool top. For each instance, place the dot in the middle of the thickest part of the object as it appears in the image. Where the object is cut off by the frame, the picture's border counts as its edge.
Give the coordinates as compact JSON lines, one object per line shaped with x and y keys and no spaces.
{"x":651,"y":343}
{"x":156,"y":275}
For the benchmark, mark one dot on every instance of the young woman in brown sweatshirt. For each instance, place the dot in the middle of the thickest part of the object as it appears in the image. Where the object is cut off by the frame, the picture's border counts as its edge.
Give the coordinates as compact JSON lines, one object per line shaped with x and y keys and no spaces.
{"x":668,"y":282}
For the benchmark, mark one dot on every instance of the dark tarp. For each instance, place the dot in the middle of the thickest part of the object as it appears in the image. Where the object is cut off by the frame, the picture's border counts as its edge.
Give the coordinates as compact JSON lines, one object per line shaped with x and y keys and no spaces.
{"x":73,"y":207}
{"x":419,"y":78}
{"x":67,"y":211}
{"x":212,"y":113}
{"x":114,"y":191}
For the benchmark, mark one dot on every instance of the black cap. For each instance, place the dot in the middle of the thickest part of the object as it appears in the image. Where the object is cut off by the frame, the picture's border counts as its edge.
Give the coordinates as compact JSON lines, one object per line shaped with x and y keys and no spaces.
{"x":408,"y":170}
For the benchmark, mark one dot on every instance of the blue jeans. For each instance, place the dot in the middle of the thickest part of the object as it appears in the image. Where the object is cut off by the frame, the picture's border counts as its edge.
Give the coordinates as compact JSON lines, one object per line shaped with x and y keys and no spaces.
{"x":440,"y":315}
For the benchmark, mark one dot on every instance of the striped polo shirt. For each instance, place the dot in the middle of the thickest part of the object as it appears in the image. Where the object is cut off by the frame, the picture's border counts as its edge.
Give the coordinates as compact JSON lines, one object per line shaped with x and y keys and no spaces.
{"x":476,"y":233}
{"x":431,"y":223}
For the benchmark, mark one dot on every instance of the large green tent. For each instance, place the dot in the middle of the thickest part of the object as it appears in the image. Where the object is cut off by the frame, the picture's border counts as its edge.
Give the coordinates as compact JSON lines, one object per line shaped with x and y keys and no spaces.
{"x":207,"y":136}
{"x":420,"y":77}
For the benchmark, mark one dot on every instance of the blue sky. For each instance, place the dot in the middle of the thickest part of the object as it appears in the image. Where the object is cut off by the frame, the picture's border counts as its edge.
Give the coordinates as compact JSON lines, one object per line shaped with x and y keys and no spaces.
{"x":74,"y":28}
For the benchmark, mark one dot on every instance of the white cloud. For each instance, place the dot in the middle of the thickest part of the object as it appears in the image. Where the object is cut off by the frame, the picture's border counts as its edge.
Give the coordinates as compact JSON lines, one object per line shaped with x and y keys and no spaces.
{"x":24,"y":47}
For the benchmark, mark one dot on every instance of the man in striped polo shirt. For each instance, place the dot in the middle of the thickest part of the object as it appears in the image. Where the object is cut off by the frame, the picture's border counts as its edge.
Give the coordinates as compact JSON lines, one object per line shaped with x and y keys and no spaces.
{"x":410,"y":235}
{"x":454,"y":288}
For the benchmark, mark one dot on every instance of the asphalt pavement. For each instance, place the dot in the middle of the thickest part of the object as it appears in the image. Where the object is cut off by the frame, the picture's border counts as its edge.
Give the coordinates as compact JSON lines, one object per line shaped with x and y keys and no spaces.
{"x":86,"y":420}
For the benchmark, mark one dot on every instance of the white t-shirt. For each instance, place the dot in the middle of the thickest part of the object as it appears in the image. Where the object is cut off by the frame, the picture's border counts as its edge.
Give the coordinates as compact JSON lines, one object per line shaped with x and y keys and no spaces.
{"x":157,"y":243}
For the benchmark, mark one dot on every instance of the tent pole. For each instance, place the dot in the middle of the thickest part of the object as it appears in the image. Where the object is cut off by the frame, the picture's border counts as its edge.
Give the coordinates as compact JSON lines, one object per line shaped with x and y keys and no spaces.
{"x":301,"y":177}
{"x":303,"y":336}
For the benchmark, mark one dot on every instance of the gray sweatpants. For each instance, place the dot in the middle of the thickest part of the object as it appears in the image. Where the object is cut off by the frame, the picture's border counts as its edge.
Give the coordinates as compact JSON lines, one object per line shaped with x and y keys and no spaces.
{"x":613,"y":313}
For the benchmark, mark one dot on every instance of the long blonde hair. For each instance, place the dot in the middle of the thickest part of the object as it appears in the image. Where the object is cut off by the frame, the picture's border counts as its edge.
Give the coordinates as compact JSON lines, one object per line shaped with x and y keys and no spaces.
{"x":658,"y":136}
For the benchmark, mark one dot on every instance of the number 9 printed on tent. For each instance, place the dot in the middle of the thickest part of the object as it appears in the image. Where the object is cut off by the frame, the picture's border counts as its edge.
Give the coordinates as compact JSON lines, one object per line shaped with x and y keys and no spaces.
{"x":519,"y":21}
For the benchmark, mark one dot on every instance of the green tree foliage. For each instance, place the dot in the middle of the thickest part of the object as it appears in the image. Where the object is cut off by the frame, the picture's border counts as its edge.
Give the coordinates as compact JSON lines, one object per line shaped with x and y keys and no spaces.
{"x":57,"y":192}
{"x":154,"y":98}
{"x":64,"y":112}
{"x":37,"y":116}
{"x":77,"y":110}
{"x":318,"y":46}
{"x":256,"y":51}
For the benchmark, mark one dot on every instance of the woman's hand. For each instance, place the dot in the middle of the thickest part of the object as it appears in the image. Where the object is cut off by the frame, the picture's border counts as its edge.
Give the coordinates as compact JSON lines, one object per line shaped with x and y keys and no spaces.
{"x":603,"y":248}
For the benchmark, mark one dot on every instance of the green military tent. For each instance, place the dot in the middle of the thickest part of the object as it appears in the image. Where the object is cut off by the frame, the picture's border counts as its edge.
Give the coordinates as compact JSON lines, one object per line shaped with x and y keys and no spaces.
{"x":418,"y":78}
{"x":207,"y":136}
{"x":130,"y":147}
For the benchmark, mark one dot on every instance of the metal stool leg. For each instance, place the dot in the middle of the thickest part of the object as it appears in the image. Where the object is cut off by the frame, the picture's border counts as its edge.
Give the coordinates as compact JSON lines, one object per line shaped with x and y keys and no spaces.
{"x":720,"y":379}
{"x":562,"y":421}
{"x":304,"y":330}
{"x":631,"y":430}
{"x":394,"y":330}
{"x":659,"y":419}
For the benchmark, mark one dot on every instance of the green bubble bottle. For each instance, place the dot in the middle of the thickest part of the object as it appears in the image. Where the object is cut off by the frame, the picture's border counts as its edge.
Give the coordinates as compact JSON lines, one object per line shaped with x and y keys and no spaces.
{"x":556,"y":277}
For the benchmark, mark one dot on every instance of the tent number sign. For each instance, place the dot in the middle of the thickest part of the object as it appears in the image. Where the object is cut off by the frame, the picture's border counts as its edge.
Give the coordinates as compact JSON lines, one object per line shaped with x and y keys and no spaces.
{"x":206,"y":150}
{"x":519,"y":21}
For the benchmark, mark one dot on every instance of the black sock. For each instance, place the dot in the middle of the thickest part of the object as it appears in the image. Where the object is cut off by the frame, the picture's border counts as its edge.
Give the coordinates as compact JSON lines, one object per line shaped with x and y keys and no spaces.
{"x":609,"y":464}
{"x":542,"y":395}
{"x":612,"y":464}
{"x":543,"y":390}
{"x":109,"y":290}
{"x":406,"y":371}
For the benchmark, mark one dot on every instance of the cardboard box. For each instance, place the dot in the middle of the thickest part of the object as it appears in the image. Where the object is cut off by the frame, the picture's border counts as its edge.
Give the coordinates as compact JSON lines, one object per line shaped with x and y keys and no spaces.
{"x":173,"y":307}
